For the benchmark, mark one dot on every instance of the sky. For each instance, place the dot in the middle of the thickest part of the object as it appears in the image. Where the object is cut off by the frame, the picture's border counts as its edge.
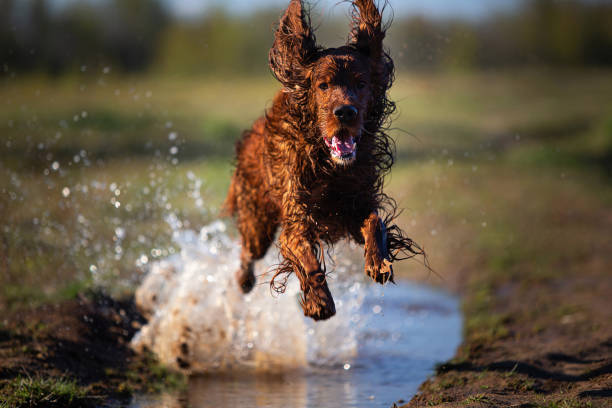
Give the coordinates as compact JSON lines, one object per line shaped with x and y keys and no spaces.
{"x":471,"y":9}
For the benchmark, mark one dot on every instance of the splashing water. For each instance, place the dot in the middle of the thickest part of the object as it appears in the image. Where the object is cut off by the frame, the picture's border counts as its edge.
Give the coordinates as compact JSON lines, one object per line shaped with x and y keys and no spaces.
{"x":200,"y":321}
{"x":258,"y":350}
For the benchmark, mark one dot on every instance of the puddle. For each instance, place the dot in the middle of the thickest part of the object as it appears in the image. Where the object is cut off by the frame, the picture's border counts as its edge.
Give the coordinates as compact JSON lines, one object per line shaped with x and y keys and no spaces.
{"x":259,"y":350}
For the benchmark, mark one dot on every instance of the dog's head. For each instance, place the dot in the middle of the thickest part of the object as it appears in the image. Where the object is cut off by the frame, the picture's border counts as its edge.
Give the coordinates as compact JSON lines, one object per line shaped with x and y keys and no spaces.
{"x":343,"y":89}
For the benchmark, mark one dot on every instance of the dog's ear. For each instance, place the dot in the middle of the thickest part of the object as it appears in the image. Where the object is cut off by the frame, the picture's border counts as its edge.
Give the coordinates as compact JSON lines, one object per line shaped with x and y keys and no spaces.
{"x":367,"y":31}
{"x":294,"y":46}
{"x":367,"y":35}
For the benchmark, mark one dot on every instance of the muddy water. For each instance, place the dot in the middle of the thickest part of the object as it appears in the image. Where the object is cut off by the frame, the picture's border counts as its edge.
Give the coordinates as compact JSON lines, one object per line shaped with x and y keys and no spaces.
{"x":259,"y":351}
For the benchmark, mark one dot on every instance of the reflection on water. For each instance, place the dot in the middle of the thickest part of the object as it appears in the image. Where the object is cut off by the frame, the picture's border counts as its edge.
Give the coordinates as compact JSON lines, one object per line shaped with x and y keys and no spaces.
{"x":259,"y":351}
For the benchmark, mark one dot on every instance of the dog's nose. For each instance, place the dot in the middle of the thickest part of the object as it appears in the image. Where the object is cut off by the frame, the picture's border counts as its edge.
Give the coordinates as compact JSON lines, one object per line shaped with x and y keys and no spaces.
{"x":346,"y":113}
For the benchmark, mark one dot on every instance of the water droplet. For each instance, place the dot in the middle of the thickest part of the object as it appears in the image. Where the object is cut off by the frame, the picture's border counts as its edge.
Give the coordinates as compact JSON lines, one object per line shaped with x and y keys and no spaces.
{"x":172,"y":136}
{"x":65,"y":191}
{"x":120,"y":232}
{"x":55,"y":166}
{"x":376,"y":309}
{"x":347,"y":366}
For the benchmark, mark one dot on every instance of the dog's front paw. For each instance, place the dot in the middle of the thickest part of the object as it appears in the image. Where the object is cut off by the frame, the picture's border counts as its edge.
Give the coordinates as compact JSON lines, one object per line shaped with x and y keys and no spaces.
{"x":377,"y":267}
{"x":317,"y":301}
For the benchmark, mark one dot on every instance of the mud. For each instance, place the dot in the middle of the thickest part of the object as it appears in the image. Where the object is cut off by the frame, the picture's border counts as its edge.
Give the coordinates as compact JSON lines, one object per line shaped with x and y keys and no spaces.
{"x":86,"y":340}
{"x":552,"y":346}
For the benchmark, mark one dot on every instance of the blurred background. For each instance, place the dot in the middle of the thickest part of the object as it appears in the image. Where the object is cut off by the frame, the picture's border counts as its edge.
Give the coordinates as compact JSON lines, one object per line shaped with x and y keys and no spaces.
{"x":118,"y":120}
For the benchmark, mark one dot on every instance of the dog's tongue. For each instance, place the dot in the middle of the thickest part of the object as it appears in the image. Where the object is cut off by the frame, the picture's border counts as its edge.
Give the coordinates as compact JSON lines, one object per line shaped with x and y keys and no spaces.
{"x":342,"y":147}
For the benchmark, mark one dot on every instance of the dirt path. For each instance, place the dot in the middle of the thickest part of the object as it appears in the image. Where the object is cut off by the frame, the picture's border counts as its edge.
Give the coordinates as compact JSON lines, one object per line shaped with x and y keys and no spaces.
{"x":541,"y":357}
{"x":537,"y":297}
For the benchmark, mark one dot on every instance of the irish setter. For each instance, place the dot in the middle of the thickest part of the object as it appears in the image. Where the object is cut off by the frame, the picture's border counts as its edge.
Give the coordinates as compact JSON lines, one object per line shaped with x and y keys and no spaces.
{"x":314,"y":164}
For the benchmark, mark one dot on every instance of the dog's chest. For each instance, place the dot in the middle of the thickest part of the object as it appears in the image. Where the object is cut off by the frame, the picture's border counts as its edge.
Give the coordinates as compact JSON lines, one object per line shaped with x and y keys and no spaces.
{"x":338,"y":206}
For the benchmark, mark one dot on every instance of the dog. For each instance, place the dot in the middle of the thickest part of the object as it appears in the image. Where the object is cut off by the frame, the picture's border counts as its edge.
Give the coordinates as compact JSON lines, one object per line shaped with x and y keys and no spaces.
{"x":313,"y":166}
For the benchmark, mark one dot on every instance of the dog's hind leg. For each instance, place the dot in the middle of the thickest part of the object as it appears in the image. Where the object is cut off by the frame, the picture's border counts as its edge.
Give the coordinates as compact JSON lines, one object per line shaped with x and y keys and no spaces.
{"x":257,"y":229}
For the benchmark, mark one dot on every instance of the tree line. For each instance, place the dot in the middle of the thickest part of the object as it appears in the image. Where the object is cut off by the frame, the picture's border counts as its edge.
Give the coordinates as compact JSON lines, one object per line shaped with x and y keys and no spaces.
{"x":141,"y":35}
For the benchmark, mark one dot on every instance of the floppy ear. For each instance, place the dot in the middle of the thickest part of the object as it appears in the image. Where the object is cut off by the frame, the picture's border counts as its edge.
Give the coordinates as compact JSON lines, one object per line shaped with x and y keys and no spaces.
{"x":294,"y":46}
{"x":367,"y":32}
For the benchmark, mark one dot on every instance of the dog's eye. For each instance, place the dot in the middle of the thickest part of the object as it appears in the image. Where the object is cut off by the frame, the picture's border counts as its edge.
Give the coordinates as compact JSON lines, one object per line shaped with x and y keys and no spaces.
{"x":323,"y":86}
{"x":361,"y":84}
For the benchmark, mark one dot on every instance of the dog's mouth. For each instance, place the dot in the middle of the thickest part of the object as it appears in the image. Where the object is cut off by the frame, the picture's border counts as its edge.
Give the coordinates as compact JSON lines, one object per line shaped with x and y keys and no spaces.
{"x":343,"y":151}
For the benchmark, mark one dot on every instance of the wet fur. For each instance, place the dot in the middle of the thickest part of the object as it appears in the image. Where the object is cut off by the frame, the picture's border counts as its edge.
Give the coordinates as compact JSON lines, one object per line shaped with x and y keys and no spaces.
{"x":286,"y":179}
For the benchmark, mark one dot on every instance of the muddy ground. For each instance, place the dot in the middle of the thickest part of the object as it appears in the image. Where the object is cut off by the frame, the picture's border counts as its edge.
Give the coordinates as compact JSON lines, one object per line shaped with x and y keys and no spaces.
{"x":85,"y":340}
{"x":537,"y":356}
{"x":536,"y":285}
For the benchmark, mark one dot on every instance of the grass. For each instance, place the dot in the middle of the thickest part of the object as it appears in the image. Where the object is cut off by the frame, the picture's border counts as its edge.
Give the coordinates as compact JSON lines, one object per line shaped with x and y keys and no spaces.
{"x":474,"y":150}
{"x":503,"y":173}
{"x":477,"y":398}
{"x":36,"y":391}
{"x":564,"y":403}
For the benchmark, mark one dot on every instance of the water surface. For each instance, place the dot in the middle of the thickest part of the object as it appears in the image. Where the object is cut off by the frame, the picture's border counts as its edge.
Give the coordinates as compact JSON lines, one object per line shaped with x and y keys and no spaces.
{"x":259,"y":351}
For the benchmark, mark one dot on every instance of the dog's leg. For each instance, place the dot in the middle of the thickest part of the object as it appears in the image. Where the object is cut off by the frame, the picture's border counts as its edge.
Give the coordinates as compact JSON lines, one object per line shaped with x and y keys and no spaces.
{"x":296,"y":248}
{"x":377,"y":263}
{"x":257,"y":234}
{"x":257,"y":223}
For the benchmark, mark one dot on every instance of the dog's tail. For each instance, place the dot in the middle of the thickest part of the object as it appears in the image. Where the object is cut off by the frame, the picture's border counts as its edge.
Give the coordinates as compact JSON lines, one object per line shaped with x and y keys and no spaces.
{"x":228,"y":209}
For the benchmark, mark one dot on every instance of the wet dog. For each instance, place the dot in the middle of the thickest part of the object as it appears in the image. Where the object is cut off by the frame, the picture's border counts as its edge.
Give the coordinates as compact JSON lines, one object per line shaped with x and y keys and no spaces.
{"x":314,"y":164}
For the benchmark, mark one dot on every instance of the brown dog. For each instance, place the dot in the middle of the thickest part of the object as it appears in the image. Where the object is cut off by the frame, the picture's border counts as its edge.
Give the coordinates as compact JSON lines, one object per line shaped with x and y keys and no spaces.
{"x":314,"y":164}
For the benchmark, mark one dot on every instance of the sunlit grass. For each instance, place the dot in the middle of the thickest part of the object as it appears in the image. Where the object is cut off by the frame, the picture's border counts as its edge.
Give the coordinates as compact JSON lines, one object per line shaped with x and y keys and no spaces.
{"x":38,"y":391}
{"x":483,"y":161}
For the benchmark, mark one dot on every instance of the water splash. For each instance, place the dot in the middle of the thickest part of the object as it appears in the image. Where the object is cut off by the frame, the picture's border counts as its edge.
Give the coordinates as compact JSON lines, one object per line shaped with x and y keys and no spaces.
{"x":199,"y":320}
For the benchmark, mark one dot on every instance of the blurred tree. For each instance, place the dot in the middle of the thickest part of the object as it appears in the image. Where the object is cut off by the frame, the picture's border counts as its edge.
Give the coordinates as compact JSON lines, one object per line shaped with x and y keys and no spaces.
{"x":135,"y":35}
{"x":219,"y":44}
{"x":7,"y":34}
{"x":132,"y":31}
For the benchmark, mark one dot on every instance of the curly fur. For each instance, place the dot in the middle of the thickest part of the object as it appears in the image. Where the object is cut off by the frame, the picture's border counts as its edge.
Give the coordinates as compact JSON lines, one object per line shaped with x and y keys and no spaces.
{"x":285,"y":176}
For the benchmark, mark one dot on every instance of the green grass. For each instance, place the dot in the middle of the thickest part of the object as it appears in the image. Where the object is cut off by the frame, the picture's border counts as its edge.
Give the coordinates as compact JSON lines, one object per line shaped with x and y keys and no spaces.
{"x":476,"y":399}
{"x":564,"y":403}
{"x":35,"y":391}
{"x":482,"y":159}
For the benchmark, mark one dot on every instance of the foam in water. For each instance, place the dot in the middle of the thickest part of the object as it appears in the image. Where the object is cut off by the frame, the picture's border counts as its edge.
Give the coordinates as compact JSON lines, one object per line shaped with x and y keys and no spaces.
{"x":199,"y":320}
